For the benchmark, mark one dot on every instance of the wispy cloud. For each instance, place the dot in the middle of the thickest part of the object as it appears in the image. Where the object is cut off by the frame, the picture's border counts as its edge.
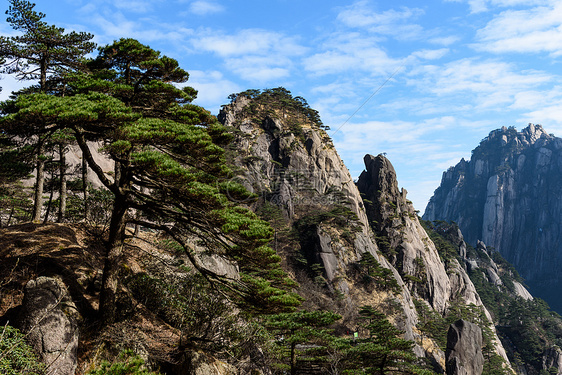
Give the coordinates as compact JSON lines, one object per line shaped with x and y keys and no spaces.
{"x":255,"y":55}
{"x":351,"y":51}
{"x":116,"y":25}
{"x":534,"y":30}
{"x":138,"y":6}
{"x":392,"y":22}
{"x":248,"y":41}
{"x":482,"y":84}
{"x":203,"y":8}
{"x":479,"y":6}
{"x":213,"y":88}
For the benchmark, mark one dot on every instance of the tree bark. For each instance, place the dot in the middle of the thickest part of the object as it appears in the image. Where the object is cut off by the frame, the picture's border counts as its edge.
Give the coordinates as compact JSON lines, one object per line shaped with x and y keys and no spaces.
{"x":85,"y":187}
{"x":39,"y":183}
{"x":293,"y":359}
{"x":62,"y":186}
{"x":50,"y":202}
{"x":110,"y":280}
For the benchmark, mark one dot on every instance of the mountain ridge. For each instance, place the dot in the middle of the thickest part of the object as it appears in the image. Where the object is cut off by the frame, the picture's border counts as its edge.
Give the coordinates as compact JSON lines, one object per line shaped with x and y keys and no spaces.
{"x":508,"y":195}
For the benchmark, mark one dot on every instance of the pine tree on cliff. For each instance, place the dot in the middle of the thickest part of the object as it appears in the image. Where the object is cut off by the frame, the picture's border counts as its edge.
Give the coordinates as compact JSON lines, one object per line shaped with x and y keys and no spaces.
{"x":170,"y":171}
{"x":41,"y":50}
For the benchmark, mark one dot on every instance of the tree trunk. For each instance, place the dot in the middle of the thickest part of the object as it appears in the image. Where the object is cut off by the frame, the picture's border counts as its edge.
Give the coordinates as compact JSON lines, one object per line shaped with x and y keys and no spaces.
{"x":62,"y":187}
{"x":293,"y":359}
{"x":382,"y":365}
{"x":50,"y":202}
{"x":110,"y":280}
{"x":39,"y":181}
{"x":85,"y":187}
{"x":11,"y":215}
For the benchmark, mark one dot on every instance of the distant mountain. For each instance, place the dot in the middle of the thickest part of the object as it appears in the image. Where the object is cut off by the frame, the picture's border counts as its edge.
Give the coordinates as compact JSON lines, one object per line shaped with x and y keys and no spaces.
{"x":509,"y":195}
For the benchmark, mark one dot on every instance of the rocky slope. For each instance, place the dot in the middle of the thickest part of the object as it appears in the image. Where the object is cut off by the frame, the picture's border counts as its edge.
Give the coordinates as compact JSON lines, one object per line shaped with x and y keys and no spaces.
{"x":509,"y":196}
{"x":296,"y":168}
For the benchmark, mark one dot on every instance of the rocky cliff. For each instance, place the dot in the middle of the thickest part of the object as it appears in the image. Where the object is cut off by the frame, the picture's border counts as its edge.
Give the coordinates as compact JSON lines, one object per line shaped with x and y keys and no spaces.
{"x":293,"y":166}
{"x":509,"y":196}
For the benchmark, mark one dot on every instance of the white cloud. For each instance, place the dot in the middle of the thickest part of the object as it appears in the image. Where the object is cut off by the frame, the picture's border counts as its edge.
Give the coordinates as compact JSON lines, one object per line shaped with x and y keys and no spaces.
{"x":255,"y":55}
{"x":351,"y":52}
{"x":445,"y":41}
{"x":390,"y":22}
{"x":260,"y":69}
{"x":137,"y":6}
{"x":213,"y":88}
{"x":203,"y":8}
{"x":482,"y":84}
{"x":248,"y":41}
{"x":431,"y":54}
{"x":115,"y":25}
{"x":479,"y":6}
{"x":532,"y":30}
{"x":551,"y":115}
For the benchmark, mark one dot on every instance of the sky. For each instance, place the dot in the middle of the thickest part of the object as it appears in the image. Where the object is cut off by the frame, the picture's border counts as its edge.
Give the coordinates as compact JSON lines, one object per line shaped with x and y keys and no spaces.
{"x":421,"y":81}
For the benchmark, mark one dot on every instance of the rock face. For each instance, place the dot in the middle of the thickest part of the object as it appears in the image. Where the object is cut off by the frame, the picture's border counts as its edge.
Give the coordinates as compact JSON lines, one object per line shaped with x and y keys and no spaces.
{"x":553,"y":358}
{"x":405,"y":242}
{"x":401,"y":236}
{"x":49,"y":320}
{"x":292,"y":165}
{"x":197,"y":363}
{"x":464,"y":349}
{"x":509,"y":196}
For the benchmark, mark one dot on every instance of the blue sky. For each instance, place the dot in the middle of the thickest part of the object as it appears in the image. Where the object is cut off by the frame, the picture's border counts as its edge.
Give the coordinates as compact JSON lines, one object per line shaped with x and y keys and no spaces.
{"x":450,"y":70}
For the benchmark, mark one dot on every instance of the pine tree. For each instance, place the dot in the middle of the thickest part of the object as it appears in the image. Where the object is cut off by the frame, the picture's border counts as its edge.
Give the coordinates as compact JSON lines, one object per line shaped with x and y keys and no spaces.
{"x":301,"y":335}
{"x":42,"y":49}
{"x":169,"y":167}
{"x":383,"y":351}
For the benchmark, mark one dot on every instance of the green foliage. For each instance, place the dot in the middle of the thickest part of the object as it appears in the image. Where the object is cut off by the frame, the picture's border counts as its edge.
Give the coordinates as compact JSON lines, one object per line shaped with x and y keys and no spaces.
{"x":529,"y":325}
{"x":373,"y":272}
{"x":440,"y":233}
{"x":204,"y":316}
{"x":129,"y":364}
{"x":15,"y":203}
{"x":16,"y":356}
{"x":532,"y":326}
{"x":383,"y":242}
{"x":436,"y":326}
{"x":282,"y":100}
{"x":169,"y":167}
{"x":302,"y":336}
{"x":382,"y":351}
{"x":305,"y":337}
{"x":41,"y":49}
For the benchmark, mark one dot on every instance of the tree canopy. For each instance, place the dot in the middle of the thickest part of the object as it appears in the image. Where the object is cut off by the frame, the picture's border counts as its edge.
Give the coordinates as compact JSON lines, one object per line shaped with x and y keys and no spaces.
{"x":169,"y":168}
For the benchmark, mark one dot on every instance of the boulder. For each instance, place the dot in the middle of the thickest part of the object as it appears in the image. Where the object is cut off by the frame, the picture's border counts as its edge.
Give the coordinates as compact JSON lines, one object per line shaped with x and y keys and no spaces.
{"x":199,"y":363}
{"x":464,"y":349}
{"x":49,"y":318}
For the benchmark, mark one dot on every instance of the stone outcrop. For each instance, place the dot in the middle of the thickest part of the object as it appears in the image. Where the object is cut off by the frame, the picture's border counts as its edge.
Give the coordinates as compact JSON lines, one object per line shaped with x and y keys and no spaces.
{"x":464,"y":349}
{"x":553,"y":359}
{"x":297,"y":169}
{"x":395,"y":222}
{"x":198,"y":363}
{"x":509,"y":196}
{"x":49,"y":318}
{"x":393,"y":218}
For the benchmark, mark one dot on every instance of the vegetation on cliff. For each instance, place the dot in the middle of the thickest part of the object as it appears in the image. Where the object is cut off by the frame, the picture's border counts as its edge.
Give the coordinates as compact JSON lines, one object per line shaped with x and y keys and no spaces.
{"x":528,"y":327}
